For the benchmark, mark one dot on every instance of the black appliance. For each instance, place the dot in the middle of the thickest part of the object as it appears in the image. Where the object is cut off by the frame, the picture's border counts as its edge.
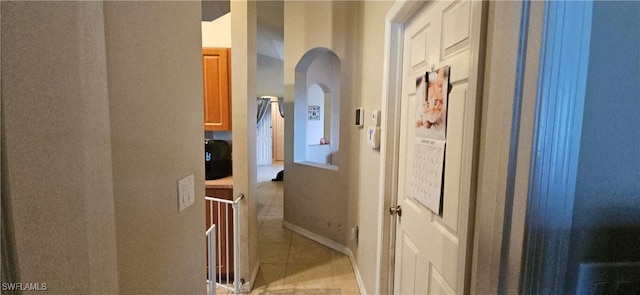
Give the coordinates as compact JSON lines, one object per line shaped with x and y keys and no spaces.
{"x":217,"y":159}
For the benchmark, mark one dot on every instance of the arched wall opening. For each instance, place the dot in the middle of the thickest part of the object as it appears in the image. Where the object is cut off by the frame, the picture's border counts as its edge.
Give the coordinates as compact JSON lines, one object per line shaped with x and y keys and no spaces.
{"x":317,"y":109}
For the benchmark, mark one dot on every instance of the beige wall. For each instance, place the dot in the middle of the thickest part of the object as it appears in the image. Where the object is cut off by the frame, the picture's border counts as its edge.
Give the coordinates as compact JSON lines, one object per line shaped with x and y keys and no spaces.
{"x":270,"y":76}
{"x":501,"y":56}
{"x":217,"y":33}
{"x":155,"y":99}
{"x":243,"y":28}
{"x":372,"y":52}
{"x":57,"y":170}
{"x":319,"y":200}
{"x":502,"y":41}
{"x":97,"y":134}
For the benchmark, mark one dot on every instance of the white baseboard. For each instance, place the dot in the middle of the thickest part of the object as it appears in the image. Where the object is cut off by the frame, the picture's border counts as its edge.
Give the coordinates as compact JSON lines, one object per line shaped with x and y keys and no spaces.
{"x":331,"y":244}
{"x":357,"y":273}
{"x":318,"y":238}
{"x":248,"y":286}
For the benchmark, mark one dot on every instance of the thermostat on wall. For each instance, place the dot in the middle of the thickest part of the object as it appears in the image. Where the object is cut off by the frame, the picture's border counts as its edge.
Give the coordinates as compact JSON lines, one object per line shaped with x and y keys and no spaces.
{"x":359,"y":117}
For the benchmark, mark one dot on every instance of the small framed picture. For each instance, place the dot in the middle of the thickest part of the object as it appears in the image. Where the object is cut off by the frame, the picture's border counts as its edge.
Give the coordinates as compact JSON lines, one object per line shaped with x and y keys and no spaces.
{"x":313,"y":113}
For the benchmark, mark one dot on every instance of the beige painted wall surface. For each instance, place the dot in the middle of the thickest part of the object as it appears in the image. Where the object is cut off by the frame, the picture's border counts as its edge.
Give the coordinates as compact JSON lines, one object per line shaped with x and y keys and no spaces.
{"x":372,"y":52}
{"x":270,"y":76}
{"x":502,"y":37}
{"x":57,"y":169}
{"x":317,"y":199}
{"x":243,"y":26}
{"x":217,"y":33}
{"x":503,"y":29}
{"x":320,"y":200}
{"x":155,"y":105}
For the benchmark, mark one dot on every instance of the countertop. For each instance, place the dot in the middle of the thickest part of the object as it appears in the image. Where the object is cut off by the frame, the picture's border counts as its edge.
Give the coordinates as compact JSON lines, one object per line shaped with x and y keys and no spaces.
{"x":222,"y":183}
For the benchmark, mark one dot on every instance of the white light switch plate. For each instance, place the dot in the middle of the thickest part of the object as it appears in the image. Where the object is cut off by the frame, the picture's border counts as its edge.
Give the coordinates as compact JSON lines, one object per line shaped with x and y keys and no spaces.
{"x":186,"y":192}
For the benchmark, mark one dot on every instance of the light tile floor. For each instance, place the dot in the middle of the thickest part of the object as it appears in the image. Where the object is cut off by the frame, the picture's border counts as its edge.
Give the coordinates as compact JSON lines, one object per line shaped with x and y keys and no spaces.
{"x":289,"y":262}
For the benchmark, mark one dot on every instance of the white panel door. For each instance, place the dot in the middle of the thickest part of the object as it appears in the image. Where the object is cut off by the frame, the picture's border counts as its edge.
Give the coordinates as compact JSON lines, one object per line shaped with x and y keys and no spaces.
{"x":264,"y":143}
{"x":428,"y":245}
{"x":278,"y":132}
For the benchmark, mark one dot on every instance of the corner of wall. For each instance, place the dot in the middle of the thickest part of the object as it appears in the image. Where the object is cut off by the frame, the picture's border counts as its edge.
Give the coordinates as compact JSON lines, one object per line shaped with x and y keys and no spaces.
{"x":217,"y":33}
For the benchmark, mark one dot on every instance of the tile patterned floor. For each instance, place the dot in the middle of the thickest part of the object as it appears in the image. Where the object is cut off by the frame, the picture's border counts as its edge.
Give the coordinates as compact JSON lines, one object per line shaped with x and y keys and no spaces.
{"x":289,"y":262}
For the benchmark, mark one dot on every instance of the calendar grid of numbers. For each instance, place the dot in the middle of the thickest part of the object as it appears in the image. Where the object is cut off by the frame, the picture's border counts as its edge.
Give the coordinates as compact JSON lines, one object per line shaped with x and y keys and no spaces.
{"x":427,"y":174}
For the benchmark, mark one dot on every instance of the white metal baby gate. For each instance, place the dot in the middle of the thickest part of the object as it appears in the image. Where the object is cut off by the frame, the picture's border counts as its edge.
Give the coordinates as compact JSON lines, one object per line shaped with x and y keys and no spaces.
{"x":222,"y":267}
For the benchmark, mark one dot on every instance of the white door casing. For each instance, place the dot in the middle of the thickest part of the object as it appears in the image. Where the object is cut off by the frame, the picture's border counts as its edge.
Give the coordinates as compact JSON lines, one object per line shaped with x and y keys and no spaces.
{"x":431,"y":251}
{"x":264,"y":141}
{"x":270,"y":135}
{"x":278,"y":132}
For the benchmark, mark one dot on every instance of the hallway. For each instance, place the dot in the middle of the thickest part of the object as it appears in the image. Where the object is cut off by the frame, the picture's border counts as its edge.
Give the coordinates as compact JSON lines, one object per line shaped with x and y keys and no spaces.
{"x":289,"y":262}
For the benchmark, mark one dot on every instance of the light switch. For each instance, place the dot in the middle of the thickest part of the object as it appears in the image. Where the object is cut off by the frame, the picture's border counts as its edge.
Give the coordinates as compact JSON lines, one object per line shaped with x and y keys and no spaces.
{"x":186,"y":192}
{"x":373,"y":137}
{"x":375,"y":117}
{"x":608,"y":278}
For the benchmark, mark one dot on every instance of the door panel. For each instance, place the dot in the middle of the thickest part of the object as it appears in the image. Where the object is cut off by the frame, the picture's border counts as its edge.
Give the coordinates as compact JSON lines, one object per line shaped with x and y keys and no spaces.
{"x":419,"y":52}
{"x":217,"y":97}
{"x":453,"y":156}
{"x":428,"y":244}
{"x":410,"y":257}
{"x":278,"y":132}
{"x":437,"y":284}
{"x":264,"y":140}
{"x":455,"y":25}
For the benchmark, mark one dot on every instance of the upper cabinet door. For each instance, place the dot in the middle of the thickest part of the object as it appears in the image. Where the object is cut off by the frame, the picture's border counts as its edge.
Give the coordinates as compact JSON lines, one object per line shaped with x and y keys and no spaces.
{"x":217,"y":96}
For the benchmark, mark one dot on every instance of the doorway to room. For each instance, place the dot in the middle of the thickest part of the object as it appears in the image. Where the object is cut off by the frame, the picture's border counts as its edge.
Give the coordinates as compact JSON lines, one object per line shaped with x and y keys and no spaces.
{"x":433,"y":46}
{"x":270,"y":132}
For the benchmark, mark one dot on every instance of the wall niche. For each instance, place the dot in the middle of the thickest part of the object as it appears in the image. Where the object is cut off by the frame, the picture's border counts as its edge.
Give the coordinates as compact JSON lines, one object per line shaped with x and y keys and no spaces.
{"x":317,"y":109}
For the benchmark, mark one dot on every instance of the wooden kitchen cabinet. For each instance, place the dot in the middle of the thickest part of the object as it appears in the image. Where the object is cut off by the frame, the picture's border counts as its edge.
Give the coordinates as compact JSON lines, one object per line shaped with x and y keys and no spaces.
{"x":216,"y":66}
{"x":221,"y":214}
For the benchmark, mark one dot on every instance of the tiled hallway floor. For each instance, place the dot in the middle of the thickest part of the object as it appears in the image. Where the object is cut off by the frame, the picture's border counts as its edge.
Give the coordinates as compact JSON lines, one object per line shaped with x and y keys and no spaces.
{"x":289,"y":262}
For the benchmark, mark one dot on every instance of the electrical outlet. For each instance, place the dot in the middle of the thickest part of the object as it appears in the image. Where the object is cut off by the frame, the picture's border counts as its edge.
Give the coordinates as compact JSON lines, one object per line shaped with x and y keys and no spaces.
{"x":186,"y":192}
{"x":354,"y":233}
{"x":609,"y":278}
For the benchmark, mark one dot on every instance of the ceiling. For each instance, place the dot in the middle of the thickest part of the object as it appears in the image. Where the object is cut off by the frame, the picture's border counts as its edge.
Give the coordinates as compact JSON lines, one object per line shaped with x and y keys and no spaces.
{"x":270,"y":35}
{"x":212,"y":9}
{"x":270,"y":22}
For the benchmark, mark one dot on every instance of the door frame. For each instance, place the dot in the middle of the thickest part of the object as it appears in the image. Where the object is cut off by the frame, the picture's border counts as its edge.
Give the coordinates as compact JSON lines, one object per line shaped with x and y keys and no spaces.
{"x":401,"y":13}
{"x":274,"y":131}
{"x":270,"y":141}
{"x":557,"y":132}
